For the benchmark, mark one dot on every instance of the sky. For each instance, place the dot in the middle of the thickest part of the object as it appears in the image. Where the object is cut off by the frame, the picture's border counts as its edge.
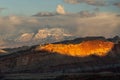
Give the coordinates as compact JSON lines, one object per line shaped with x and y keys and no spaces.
{"x":29,"y":7}
{"x":25,"y":21}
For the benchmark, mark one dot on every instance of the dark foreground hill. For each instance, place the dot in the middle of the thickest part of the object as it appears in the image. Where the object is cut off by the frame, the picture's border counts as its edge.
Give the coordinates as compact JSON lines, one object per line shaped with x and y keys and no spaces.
{"x":29,"y":60}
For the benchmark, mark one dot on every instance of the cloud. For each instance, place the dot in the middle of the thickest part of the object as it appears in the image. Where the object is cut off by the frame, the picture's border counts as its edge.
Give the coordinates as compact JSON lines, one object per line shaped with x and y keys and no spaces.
{"x":12,"y":26}
{"x":117,"y":4}
{"x":1,"y":9}
{"x":71,"y":1}
{"x":15,"y":29}
{"x":60,"y":10}
{"x":87,"y":14}
{"x":103,"y":24}
{"x":43,"y":14}
{"x":2,"y":42}
{"x":90,"y":2}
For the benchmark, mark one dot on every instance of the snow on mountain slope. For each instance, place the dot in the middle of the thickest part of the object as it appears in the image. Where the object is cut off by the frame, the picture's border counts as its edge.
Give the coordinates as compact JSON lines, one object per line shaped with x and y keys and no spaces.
{"x":44,"y":35}
{"x":25,"y":37}
{"x":56,"y":33}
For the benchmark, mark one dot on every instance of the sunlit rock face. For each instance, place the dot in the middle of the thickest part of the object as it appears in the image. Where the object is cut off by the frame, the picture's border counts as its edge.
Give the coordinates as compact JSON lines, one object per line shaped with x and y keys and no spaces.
{"x":83,"y":49}
{"x":2,"y":51}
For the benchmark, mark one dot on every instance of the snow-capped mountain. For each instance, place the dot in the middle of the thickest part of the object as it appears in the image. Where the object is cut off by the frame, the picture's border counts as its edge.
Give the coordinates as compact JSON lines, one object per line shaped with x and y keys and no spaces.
{"x":56,"y":33}
{"x":25,"y":37}
{"x":45,"y":35}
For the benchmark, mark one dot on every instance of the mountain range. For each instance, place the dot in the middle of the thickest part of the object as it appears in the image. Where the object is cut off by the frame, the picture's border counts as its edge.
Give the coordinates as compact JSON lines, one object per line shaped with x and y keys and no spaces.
{"x":43,"y":36}
{"x":28,"y":59}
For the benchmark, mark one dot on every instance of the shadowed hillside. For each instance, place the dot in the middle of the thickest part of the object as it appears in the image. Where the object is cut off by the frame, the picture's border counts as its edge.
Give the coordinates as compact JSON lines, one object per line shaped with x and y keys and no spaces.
{"x":37,"y":59}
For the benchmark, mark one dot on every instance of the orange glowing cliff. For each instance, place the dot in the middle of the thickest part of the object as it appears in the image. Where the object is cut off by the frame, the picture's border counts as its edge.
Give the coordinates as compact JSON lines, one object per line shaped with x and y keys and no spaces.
{"x":83,"y":49}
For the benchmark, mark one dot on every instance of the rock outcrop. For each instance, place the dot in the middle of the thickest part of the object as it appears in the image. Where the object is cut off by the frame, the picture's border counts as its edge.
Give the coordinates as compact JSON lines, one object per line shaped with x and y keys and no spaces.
{"x":83,"y":49}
